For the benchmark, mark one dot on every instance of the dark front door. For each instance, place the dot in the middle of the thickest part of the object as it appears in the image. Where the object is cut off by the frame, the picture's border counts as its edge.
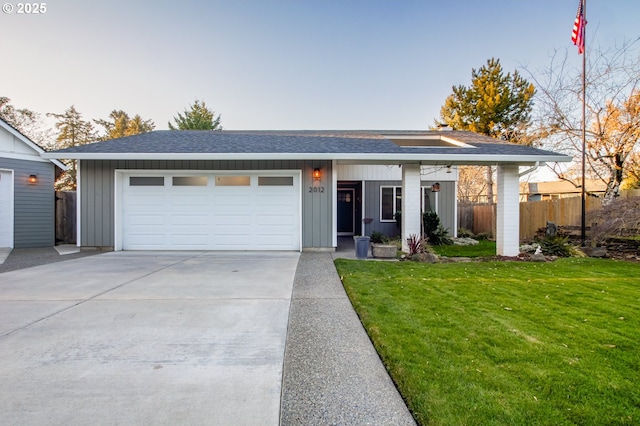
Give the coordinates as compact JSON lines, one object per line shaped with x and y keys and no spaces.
{"x":346,"y":211}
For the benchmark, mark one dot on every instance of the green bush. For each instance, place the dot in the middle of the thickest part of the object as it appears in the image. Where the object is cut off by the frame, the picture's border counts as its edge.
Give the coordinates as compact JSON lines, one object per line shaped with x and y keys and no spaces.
{"x":558,"y":245}
{"x":434,"y":231}
{"x":377,"y":237}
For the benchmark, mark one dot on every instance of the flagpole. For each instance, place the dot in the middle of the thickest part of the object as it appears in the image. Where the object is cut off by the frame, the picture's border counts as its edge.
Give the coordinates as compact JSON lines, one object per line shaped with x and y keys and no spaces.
{"x":583,"y":227}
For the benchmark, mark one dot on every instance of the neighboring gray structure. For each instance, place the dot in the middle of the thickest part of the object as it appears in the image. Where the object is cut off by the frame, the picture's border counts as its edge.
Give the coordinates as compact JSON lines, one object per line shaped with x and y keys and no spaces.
{"x":27,"y":197}
{"x":287,"y":190}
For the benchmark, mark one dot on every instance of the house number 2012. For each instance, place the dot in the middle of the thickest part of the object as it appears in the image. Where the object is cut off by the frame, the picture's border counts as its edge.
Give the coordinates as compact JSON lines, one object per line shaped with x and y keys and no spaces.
{"x":316,"y":189}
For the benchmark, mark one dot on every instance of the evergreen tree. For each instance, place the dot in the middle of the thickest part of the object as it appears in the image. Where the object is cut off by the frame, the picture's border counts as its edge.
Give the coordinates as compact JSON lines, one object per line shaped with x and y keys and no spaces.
{"x":495,"y":105}
{"x":197,"y":117}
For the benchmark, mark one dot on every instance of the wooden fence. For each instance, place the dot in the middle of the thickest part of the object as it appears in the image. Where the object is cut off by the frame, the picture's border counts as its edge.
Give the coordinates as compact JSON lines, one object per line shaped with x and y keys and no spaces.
{"x":65,"y":217}
{"x":533,"y":214}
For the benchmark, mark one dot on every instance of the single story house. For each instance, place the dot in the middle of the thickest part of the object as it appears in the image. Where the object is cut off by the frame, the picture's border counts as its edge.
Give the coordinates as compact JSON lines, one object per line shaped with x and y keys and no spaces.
{"x":280,"y":190}
{"x":553,"y":190}
{"x":27,"y":197}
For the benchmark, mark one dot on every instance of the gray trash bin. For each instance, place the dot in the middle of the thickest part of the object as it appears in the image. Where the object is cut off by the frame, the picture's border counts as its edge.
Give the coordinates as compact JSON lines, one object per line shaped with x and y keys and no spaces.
{"x":362,"y":247}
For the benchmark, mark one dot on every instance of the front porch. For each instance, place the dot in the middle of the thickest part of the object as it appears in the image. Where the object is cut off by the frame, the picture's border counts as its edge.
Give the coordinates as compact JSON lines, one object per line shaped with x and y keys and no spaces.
{"x":361,"y":207}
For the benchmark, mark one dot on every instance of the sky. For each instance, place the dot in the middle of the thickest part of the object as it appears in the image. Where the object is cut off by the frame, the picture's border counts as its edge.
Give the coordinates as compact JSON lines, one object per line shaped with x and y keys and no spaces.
{"x":284,"y":64}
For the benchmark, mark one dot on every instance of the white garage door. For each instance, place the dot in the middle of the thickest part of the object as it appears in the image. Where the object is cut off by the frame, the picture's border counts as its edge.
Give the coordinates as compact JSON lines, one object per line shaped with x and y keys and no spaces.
{"x":211,"y":211}
{"x":6,"y":208}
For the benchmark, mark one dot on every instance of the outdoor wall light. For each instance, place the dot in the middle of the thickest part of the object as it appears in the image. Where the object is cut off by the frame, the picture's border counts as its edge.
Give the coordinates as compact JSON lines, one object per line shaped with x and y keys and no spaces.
{"x":435,"y":187}
{"x":33,"y":179}
{"x":316,"y":174}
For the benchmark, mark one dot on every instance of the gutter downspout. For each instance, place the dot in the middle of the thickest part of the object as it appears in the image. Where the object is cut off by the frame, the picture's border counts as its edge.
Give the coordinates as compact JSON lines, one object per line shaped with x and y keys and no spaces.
{"x":532,"y":169}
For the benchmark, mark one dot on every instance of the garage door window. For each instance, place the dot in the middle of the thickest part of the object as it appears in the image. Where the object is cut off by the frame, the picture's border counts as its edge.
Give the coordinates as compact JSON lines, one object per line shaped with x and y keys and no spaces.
{"x":233,"y":180}
{"x":275,"y":180}
{"x":190,"y":181}
{"x":146,"y":181}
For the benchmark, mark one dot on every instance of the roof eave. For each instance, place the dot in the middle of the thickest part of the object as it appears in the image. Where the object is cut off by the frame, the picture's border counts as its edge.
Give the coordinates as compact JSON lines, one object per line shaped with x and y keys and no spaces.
{"x":372,"y":158}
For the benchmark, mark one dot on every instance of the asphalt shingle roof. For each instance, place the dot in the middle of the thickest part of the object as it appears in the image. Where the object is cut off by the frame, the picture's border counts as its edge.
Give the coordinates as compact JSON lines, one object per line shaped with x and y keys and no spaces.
{"x":298,"y":142}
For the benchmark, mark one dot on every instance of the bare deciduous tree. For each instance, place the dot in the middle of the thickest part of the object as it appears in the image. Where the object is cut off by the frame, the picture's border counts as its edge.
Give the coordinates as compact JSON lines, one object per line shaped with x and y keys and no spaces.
{"x":612,"y":106}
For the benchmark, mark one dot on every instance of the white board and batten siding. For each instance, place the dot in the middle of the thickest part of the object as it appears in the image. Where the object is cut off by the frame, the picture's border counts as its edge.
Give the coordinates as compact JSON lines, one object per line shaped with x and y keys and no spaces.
{"x":208,"y":210}
{"x":370,"y":172}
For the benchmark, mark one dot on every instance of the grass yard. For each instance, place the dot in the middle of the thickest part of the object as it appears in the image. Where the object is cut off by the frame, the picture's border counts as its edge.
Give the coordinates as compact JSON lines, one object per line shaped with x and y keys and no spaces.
{"x":506,"y":343}
{"x":485,"y":248}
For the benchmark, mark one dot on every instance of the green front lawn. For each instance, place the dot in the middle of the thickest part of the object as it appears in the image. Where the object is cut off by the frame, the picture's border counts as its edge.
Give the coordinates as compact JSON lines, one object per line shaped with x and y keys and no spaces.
{"x":506,"y":343}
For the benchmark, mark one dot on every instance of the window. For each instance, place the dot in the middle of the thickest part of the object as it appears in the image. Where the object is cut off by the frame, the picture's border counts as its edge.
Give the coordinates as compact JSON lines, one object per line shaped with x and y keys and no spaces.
{"x":190,"y":181}
{"x":275,"y":181}
{"x":390,"y":202}
{"x":428,"y":199}
{"x":233,"y":180}
{"x":146,"y":181}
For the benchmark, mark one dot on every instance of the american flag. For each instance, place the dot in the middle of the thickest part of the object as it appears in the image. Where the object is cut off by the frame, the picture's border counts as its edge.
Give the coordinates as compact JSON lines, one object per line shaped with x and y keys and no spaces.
{"x":577,"y":35}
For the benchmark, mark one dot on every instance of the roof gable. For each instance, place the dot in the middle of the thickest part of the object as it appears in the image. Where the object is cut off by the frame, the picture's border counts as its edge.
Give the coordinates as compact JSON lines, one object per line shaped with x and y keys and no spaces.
{"x":14,"y":144}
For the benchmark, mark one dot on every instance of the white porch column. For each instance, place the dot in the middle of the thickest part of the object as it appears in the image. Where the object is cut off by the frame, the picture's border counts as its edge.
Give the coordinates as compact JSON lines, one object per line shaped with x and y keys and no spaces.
{"x":411,"y":216}
{"x":508,"y":211}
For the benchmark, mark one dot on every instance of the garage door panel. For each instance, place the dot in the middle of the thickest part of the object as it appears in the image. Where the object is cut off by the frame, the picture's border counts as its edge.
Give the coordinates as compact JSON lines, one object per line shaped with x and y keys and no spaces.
{"x":232,"y":220}
{"x":212,"y":217}
{"x":144,"y":219}
{"x":232,"y":201}
{"x":188,"y":220}
{"x":191,"y":240}
{"x":275,"y":199}
{"x":150,"y":239}
{"x":273,"y":242}
{"x":231,"y":230}
{"x":276,"y":220}
{"x":192,"y":200}
{"x":145,"y":200}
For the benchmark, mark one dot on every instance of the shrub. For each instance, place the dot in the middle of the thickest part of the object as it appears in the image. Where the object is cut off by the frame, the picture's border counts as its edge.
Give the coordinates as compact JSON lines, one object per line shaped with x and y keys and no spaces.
{"x":377,"y":237}
{"x":558,"y":245}
{"x":416,"y":245}
{"x":618,"y":218}
{"x":433,"y":229}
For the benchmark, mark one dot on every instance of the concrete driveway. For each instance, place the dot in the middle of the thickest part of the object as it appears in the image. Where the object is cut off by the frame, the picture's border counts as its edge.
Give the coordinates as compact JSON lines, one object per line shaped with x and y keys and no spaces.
{"x":146,"y":338}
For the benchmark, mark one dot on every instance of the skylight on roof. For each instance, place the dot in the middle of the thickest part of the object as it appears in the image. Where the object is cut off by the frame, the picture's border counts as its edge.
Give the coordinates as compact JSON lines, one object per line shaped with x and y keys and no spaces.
{"x":428,"y":141}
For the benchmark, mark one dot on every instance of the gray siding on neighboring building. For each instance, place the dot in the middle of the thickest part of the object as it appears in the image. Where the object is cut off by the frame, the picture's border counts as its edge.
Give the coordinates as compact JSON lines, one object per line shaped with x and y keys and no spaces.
{"x":97,"y":194}
{"x":446,"y":206}
{"x":34,"y":204}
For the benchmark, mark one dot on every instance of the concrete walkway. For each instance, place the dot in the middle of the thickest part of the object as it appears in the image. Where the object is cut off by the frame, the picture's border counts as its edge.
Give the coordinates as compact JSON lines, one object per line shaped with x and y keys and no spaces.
{"x":332,"y":373}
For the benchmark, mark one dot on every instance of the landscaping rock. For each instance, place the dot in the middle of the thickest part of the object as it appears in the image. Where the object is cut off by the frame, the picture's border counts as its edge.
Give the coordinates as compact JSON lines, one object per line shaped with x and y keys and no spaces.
{"x":425,"y":257}
{"x":538,"y":257}
{"x":595,"y":251}
{"x":465,"y":242}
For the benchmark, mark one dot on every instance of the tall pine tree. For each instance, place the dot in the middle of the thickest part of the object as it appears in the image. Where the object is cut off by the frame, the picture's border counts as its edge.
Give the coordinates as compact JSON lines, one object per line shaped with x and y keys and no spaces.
{"x":495,"y":104}
{"x":197,"y":117}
